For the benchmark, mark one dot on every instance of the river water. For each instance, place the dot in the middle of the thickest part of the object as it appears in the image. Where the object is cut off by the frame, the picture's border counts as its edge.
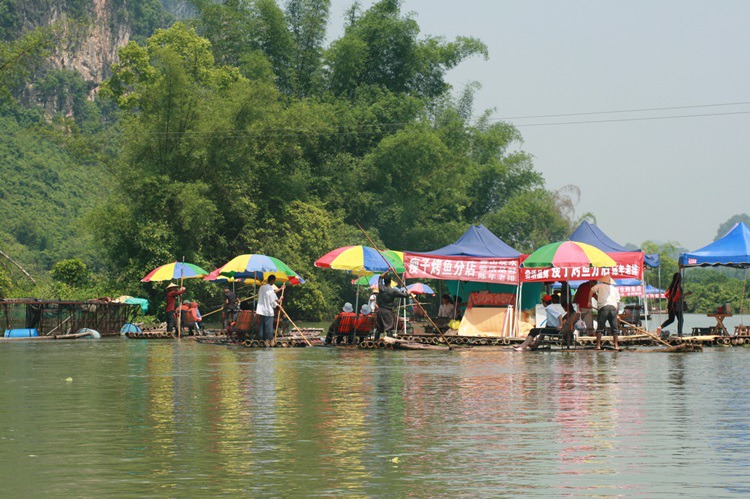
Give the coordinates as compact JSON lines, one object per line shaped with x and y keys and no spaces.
{"x":176,"y":418}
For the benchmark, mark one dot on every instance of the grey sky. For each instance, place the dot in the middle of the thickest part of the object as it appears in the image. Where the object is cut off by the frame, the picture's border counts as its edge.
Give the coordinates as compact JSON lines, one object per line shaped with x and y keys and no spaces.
{"x":661,"y":179}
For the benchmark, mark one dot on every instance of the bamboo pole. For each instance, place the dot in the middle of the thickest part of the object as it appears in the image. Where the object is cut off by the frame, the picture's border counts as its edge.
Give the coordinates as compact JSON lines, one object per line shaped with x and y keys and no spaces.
{"x":278,"y":316}
{"x":646,"y":332}
{"x":390,"y":267}
{"x":222,"y":308}
{"x":293,"y":324}
{"x":19,"y":266}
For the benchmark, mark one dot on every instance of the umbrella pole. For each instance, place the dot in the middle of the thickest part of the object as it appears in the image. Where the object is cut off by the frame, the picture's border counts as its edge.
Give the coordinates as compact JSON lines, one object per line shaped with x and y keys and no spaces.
{"x":742,"y":299}
{"x":179,"y":309}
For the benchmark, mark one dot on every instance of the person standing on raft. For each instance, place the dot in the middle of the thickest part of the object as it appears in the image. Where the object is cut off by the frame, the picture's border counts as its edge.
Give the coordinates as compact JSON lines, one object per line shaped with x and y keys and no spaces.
{"x":607,"y":303}
{"x":267,"y":302}
{"x":386,"y":296}
{"x":675,"y":297}
{"x":583,"y":301}
{"x":173,"y":291}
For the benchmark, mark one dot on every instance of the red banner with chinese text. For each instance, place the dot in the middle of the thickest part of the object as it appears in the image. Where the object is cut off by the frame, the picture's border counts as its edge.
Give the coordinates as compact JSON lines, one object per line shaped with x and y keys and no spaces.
{"x":456,"y":268}
{"x":629,"y":266}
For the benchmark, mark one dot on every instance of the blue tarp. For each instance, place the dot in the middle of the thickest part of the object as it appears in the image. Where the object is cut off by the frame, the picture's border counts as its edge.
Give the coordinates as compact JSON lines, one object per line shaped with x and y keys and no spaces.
{"x":591,"y":234}
{"x":732,"y":250}
{"x":477,"y":241}
{"x":142,"y":302}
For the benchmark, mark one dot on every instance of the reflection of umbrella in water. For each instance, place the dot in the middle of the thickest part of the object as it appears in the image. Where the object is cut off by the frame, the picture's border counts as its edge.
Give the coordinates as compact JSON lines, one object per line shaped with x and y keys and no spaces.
{"x":568,"y":254}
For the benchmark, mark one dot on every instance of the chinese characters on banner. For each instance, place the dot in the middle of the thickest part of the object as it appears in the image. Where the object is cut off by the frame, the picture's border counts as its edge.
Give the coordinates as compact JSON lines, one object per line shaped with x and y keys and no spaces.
{"x":491,"y":299}
{"x":629,"y":266}
{"x":495,"y":270}
{"x":630,"y":291}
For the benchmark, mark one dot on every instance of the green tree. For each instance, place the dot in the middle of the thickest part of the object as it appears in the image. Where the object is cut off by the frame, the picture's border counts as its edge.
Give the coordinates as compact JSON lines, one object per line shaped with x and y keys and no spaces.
{"x":307,"y":20}
{"x":729,"y":224}
{"x":72,"y":272}
{"x":381,"y":48}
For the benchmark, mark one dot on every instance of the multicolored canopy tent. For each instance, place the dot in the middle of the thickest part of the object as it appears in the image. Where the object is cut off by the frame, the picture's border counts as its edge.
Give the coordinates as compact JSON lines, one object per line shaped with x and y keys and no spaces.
{"x":732,"y":250}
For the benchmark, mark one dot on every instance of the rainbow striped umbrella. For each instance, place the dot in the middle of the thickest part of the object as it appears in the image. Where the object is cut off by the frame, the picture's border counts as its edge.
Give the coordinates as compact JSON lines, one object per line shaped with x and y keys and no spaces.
{"x":568,"y":254}
{"x":258,"y":267}
{"x":361,"y":260}
{"x":419,"y":288}
{"x":176,"y":270}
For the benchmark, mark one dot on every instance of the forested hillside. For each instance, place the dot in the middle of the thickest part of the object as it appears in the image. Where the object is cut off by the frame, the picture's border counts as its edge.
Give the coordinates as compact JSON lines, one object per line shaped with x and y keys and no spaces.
{"x":240,"y":130}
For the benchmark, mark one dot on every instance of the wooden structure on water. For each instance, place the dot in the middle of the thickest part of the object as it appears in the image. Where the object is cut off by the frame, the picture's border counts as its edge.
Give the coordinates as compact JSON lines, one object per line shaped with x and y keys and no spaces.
{"x":56,"y":319}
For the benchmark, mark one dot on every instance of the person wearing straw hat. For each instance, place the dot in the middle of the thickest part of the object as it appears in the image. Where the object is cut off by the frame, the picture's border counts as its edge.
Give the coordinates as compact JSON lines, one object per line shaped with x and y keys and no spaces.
{"x":607,"y":303}
{"x":173,"y":291}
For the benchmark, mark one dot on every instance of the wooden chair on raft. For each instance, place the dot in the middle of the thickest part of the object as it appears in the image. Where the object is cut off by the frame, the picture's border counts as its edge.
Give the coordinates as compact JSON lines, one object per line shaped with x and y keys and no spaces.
{"x":244,"y":326}
{"x":353,"y":328}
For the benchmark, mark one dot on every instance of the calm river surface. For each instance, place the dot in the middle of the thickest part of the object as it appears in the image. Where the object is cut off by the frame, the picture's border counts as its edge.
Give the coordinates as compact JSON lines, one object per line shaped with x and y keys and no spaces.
{"x":176,"y":418}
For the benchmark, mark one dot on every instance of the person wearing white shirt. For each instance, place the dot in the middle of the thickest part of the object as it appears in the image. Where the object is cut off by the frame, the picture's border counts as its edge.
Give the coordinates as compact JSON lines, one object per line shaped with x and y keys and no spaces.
{"x":607,"y":303}
{"x":555,"y":314}
{"x":267,"y":302}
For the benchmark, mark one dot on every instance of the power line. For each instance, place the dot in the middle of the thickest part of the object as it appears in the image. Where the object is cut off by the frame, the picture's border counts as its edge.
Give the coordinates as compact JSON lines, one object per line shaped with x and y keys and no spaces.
{"x":622,"y":111}
{"x":362,"y":129}
{"x":621,"y":120}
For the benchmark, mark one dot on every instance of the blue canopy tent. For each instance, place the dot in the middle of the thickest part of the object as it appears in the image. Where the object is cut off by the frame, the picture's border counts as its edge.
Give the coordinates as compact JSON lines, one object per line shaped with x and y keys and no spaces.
{"x":732,"y":250}
{"x":591,"y":234}
{"x":479,"y":242}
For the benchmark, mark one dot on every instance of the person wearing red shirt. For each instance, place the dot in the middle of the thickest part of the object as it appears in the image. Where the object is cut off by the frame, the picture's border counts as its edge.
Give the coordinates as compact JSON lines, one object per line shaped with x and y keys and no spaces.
{"x":581,"y":299}
{"x":173,"y":291}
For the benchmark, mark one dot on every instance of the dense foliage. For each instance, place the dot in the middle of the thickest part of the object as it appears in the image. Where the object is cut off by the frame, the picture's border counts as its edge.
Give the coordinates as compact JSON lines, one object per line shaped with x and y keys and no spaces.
{"x":240,"y":131}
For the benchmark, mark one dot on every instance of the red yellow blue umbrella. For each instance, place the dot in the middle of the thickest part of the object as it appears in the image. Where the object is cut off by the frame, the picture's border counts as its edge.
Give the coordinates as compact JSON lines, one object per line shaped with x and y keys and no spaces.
{"x":176,"y":270}
{"x":361,"y":260}
{"x":568,"y":254}
{"x":258,"y":267}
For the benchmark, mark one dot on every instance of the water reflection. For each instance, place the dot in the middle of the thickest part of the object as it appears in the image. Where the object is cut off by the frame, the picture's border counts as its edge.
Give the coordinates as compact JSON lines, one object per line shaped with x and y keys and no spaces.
{"x":177,"y":418}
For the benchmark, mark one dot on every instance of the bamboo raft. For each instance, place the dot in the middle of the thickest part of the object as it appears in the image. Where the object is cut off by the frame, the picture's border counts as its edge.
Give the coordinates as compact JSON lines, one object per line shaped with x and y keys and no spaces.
{"x":302,"y":337}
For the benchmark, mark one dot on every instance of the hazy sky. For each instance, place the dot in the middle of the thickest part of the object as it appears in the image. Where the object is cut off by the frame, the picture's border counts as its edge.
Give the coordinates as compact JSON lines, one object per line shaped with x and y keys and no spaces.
{"x":658,"y":179}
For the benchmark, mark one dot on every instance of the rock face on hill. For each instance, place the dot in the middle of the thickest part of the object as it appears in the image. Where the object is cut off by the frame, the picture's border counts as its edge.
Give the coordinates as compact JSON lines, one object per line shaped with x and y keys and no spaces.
{"x":98,"y":30}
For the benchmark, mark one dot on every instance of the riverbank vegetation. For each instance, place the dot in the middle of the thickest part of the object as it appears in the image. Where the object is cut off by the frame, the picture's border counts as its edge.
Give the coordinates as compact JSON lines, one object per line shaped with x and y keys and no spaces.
{"x":240,"y":130}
